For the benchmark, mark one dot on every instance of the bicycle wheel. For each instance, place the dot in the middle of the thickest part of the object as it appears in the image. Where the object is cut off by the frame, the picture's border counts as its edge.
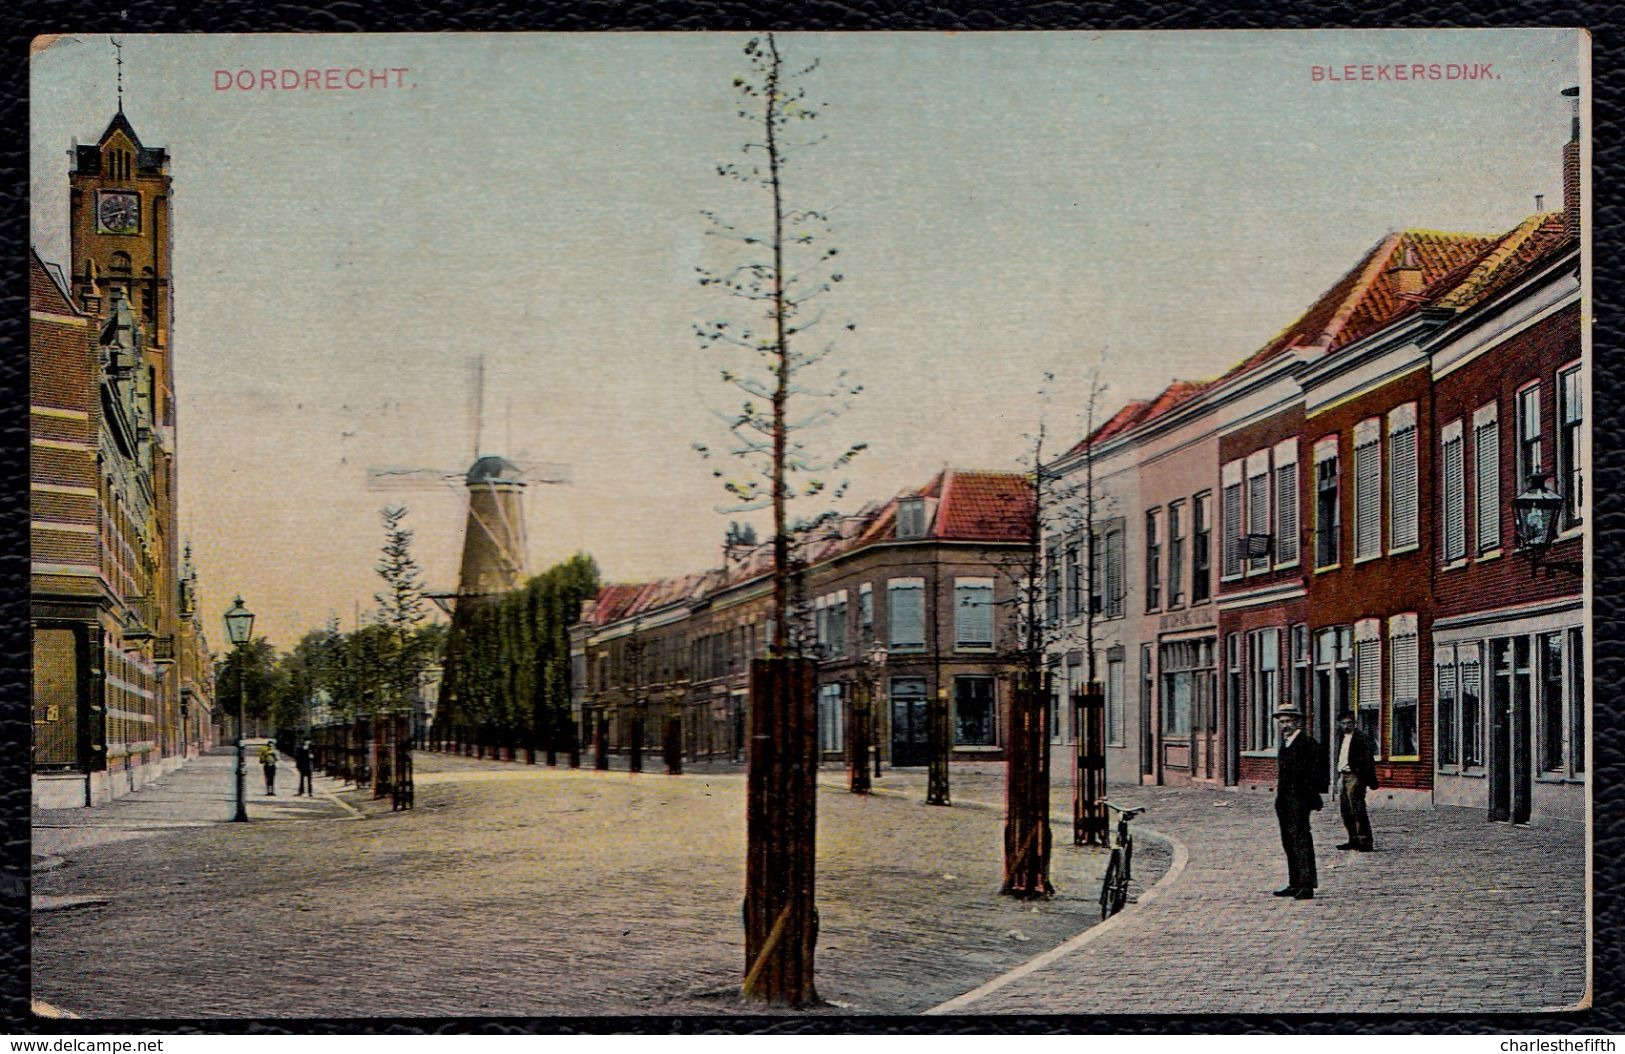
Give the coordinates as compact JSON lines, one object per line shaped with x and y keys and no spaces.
{"x":1110,"y":899}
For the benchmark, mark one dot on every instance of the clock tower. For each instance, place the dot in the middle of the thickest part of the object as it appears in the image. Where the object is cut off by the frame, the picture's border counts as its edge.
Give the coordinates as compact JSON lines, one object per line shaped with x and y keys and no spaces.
{"x":120,"y":244}
{"x":119,"y":194}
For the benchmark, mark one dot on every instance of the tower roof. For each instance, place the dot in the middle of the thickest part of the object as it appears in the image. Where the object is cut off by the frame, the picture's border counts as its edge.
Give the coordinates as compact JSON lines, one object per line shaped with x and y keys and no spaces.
{"x":494,"y":469}
{"x":149,"y":160}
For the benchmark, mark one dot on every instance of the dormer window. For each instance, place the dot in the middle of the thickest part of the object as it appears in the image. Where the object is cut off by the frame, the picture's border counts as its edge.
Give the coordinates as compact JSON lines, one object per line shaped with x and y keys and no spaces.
{"x":911,"y":518}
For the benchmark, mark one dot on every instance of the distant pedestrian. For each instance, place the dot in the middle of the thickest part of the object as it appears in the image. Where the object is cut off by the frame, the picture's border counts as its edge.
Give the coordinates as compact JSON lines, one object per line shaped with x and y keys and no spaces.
{"x":1300,"y":780}
{"x":268,"y":764}
{"x":301,"y":761}
{"x":1356,"y":774}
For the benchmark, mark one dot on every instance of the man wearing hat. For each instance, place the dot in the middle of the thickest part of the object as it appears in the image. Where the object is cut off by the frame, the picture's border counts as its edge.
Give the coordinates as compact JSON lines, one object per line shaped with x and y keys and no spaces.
{"x":1356,"y":774}
{"x":1299,"y":782}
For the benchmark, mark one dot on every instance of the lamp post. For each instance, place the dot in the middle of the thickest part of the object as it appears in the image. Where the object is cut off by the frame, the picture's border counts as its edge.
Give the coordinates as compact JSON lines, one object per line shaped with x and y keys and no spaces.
{"x":864,"y":706}
{"x":1535,"y":516}
{"x":240,"y":630}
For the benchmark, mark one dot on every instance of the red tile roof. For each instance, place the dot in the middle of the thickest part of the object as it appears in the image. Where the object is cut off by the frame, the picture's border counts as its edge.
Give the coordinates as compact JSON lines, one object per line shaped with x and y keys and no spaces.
{"x":963,"y":506}
{"x":1358,"y":304}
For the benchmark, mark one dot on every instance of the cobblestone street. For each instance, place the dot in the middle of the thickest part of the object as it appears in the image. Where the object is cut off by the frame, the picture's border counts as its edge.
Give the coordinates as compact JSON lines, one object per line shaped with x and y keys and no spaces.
{"x":520,"y":890}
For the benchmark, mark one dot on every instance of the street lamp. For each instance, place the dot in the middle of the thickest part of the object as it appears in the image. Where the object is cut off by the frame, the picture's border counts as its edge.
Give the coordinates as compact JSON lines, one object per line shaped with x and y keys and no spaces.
{"x":239,"y":630}
{"x":1535,"y":515}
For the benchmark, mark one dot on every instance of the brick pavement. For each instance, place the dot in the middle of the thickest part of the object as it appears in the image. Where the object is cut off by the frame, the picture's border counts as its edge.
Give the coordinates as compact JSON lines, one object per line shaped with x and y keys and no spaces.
{"x":201,"y":793}
{"x":518,"y":889}
{"x":1450,"y":914}
{"x":521,"y":890}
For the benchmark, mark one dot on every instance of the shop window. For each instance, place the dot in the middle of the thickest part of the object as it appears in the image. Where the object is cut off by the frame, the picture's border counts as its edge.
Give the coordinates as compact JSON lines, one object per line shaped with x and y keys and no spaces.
{"x":974,"y":724}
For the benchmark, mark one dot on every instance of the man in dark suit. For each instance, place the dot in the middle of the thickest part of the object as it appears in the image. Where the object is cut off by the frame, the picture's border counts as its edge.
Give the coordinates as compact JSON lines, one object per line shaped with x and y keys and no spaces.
{"x":1356,"y":774}
{"x":1299,"y":782}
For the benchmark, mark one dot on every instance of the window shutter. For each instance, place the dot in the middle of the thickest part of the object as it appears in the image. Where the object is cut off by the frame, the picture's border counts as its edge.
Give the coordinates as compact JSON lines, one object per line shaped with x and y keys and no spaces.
{"x":1286,"y":514}
{"x":1258,"y":515}
{"x":1231,"y":530}
{"x":1114,"y":573}
{"x":1487,"y":480}
{"x":905,"y":600}
{"x":1455,"y":510}
{"x":1402,"y":488}
{"x":1368,"y":500}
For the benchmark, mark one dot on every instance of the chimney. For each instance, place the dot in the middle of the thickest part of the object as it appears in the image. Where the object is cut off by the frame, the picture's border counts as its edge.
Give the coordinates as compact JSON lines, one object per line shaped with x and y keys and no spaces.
{"x":1407,"y":274}
{"x":1540,"y":203}
{"x":1571,"y":169}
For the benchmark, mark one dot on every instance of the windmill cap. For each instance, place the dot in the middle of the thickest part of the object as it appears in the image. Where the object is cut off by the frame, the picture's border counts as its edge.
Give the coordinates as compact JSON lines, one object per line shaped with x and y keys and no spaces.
{"x":492,"y":468}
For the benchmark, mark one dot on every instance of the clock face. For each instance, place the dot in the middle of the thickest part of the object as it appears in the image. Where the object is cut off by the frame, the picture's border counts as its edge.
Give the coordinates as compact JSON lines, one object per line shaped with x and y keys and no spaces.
{"x":118,"y":212}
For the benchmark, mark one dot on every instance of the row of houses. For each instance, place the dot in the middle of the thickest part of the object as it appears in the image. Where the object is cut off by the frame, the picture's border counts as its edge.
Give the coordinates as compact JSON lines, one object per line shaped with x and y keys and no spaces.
{"x":908,"y":600}
{"x":123,"y":685}
{"x":1329,"y":523}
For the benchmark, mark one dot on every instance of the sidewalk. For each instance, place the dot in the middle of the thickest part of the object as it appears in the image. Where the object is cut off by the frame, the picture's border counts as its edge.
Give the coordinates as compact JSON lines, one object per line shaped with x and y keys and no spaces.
{"x":1450,"y":914}
{"x":201,"y":793}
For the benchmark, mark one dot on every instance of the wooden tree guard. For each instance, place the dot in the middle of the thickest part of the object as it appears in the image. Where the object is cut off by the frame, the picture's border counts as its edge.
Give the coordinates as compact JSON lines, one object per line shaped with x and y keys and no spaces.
{"x":1026,"y":804}
{"x":673,"y":745}
{"x":601,"y":745}
{"x":858,"y":736}
{"x":383,"y":754}
{"x":781,"y":817}
{"x":1089,"y":770}
{"x":403,"y":792}
{"x":636,"y":762}
{"x":939,"y":738}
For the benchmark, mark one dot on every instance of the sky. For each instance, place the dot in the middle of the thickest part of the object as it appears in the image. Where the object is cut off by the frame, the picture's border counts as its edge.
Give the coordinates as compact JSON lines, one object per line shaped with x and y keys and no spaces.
{"x":1144,"y":206}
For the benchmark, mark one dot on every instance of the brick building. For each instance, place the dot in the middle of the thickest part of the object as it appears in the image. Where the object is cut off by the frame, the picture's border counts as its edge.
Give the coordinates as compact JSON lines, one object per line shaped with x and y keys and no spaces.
{"x":1508,"y":638}
{"x":931,"y":576}
{"x":121,"y":689}
{"x":1364,"y":561}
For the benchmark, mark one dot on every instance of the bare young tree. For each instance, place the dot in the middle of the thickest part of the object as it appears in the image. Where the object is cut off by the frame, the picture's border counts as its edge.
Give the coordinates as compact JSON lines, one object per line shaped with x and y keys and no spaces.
{"x":781,"y":271}
{"x":1060,"y":514}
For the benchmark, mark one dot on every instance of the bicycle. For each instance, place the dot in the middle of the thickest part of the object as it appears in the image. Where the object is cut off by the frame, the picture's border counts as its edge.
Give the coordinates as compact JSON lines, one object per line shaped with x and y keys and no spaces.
{"x":1120,"y":868}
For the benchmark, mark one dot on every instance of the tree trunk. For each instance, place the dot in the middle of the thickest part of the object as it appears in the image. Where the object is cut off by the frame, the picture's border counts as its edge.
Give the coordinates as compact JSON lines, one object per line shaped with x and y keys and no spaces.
{"x":858,"y":737}
{"x":674,"y":745}
{"x":781,"y":921}
{"x":1026,"y":809}
{"x":636,"y":762}
{"x":939,"y":738}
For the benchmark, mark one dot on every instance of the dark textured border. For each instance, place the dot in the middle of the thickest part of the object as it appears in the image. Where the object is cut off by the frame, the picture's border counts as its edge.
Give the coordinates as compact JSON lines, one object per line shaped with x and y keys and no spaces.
{"x":400,"y":15}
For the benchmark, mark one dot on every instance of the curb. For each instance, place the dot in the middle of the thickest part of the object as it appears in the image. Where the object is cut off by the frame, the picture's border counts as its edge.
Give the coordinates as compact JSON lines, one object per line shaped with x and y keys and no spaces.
{"x":1181,"y":857}
{"x":40,"y":1008}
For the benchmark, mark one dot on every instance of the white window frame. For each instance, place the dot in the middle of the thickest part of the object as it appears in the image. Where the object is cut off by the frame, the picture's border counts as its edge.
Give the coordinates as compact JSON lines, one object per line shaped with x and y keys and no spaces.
{"x":1367,"y":490}
{"x":960,"y":609}
{"x":1568,"y":456}
{"x":1404,"y":672}
{"x":1153,"y":559}
{"x":1452,"y":502}
{"x":895,"y":586}
{"x":1231,"y":522}
{"x":1368,"y":697}
{"x":1288,"y":521}
{"x":1486,"y":541}
{"x":1404,"y":491}
{"x":1326,"y":450}
{"x":1526,"y":466}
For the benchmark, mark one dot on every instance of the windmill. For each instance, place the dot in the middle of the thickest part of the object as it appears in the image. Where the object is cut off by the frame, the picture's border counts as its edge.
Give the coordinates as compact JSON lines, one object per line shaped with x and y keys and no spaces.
{"x":493,"y":485}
